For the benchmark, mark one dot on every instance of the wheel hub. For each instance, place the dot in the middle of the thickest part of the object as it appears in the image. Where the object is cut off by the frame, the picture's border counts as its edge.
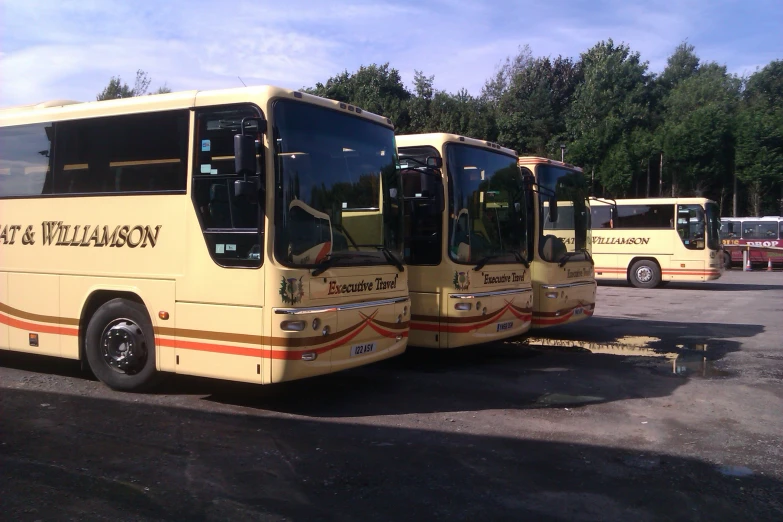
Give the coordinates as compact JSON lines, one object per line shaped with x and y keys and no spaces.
{"x":123,"y":346}
{"x":644,"y":274}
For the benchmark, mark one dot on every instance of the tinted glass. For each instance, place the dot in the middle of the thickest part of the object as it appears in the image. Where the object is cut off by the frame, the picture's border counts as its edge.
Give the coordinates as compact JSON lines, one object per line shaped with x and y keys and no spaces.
{"x":134,"y":153}
{"x":570,"y":232}
{"x":423,"y":219}
{"x":759,"y":230}
{"x":230,"y":223}
{"x":25,"y":160}
{"x":691,"y":222}
{"x":735,"y":233}
{"x":713,"y":225}
{"x":336,"y":172}
{"x":487,"y":214}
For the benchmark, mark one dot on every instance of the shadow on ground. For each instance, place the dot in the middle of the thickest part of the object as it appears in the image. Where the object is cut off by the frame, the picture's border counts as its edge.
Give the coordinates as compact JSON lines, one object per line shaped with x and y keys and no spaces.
{"x":613,"y":360}
{"x":66,"y":456}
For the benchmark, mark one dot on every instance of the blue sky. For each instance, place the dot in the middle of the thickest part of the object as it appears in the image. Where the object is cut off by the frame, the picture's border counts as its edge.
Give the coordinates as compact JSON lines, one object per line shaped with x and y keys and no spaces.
{"x":69,"y":49}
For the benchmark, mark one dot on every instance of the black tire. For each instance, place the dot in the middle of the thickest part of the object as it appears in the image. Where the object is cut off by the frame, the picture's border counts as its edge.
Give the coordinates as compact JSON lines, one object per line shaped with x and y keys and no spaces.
{"x":726,"y":261}
{"x":120,"y":346}
{"x":645,"y":274}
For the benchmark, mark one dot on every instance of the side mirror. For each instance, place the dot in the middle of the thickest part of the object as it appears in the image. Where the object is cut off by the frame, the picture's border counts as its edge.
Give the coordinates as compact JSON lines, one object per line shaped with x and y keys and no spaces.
{"x":613,"y":213}
{"x":245,"y":154}
{"x":337,"y":216}
{"x":434,"y":162}
{"x":553,"y":209}
{"x":246,"y":189}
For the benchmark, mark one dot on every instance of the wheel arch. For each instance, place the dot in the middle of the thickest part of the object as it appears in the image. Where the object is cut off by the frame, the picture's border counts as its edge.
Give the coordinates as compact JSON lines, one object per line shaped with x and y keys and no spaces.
{"x":95,"y":300}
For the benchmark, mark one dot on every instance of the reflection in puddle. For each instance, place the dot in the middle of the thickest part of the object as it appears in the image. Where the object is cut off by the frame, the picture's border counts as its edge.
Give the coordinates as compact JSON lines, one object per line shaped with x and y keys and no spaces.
{"x":692,"y":359}
{"x":735,"y":471}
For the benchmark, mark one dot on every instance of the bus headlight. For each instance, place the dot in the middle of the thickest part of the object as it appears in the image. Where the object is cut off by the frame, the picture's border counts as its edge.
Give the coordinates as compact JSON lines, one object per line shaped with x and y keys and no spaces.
{"x":478,"y":305}
{"x":462,"y":307}
{"x":316,"y":323}
{"x":293,"y":326}
{"x":326,"y":330}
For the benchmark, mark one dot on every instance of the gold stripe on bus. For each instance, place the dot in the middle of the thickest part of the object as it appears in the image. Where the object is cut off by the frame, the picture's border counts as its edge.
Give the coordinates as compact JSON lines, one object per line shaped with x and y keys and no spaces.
{"x":21,"y":314}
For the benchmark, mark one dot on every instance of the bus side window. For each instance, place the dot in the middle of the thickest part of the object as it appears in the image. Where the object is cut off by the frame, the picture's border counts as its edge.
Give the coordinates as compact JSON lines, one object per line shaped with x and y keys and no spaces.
{"x":25,"y":160}
{"x":230,"y":223}
{"x":422,"y":218}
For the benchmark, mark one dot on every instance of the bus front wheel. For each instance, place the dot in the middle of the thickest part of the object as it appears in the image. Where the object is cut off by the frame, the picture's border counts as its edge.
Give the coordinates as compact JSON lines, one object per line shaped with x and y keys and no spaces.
{"x":645,"y":274}
{"x":120,"y":346}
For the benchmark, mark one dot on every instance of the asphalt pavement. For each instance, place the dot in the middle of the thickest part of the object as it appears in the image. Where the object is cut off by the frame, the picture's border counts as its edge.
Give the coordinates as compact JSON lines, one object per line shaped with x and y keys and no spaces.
{"x":666,"y":405}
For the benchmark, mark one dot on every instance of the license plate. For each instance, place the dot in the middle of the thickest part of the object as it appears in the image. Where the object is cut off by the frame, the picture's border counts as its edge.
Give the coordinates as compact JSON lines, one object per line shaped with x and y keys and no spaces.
{"x":502,"y":327}
{"x":361,"y":349}
{"x":578,"y":310}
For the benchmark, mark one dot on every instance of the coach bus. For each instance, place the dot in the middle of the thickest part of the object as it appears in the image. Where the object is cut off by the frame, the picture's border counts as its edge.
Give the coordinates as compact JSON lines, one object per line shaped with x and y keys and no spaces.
{"x":650,"y":242}
{"x":754,"y":231}
{"x":248,"y":234}
{"x":564,"y":285}
{"x":466,"y":240}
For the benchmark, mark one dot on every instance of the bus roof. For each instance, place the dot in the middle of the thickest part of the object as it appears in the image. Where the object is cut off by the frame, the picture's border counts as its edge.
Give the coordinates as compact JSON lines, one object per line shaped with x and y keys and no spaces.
{"x":653,"y":201}
{"x":751,"y":218}
{"x":56,"y":110}
{"x":538,"y":160}
{"x":437,"y":139}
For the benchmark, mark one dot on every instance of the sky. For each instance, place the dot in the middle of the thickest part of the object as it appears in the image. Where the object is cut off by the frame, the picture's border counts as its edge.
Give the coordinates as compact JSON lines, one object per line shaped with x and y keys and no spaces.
{"x":69,"y":49}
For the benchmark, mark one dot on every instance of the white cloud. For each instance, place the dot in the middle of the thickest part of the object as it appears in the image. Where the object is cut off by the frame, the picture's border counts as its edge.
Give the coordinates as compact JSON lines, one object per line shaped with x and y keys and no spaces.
{"x":70,"y":48}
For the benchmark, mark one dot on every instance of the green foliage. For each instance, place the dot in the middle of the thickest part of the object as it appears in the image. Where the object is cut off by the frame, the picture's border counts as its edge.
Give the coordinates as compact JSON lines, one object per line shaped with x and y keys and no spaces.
{"x":375,"y":88}
{"x":698,"y":130}
{"x":610,"y":105}
{"x":117,"y":89}
{"x":616,"y":119}
{"x":530,"y":97}
{"x":760,"y":139}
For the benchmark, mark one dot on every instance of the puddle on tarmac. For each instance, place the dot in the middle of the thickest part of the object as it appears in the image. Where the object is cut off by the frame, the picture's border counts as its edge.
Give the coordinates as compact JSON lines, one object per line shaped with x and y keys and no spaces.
{"x":691,"y":359}
{"x":735,"y":471}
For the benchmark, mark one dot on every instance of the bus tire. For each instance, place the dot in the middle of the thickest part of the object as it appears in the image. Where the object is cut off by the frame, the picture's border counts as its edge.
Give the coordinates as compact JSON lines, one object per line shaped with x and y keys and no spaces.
{"x":645,"y":274}
{"x":120,"y":346}
{"x":726,"y":261}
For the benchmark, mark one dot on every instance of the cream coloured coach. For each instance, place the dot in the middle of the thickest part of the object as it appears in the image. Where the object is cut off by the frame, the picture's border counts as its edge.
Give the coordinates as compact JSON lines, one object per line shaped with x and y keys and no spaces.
{"x":248,"y":234}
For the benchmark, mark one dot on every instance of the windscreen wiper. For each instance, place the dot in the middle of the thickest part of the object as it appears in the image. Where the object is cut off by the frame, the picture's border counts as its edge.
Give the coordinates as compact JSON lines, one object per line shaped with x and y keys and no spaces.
{"x":486,"y":259}
{"x":323,"y":266}
{"x":569,"y":255}
{"x":390,"y":256}
{"x":521,"y":258}
{"x":329,"y":261}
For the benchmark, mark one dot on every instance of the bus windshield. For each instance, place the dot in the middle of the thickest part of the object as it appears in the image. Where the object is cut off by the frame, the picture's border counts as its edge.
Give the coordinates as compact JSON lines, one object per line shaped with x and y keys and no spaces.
{"x":338,"y":191}
{"x":572,"y":225}
{"x":487,"y":213}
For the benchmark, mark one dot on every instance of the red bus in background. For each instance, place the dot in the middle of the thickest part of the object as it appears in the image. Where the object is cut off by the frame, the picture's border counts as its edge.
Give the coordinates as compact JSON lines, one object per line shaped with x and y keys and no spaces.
{"x":755,"y":231}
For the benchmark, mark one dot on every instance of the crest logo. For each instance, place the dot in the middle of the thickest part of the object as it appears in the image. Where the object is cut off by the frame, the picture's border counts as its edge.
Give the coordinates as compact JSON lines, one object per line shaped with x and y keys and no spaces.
{"x":291,"y":290}
{"x":461,"y":280}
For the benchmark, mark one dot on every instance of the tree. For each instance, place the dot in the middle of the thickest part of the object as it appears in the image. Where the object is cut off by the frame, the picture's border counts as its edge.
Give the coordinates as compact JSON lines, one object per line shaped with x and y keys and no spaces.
{"x":530,"y":97}
{"x":376,"y":88}
{"x":611,"y":102}
{"x":760,"y":139}
{"x":698,"y":131}
{"x":117,"y":89}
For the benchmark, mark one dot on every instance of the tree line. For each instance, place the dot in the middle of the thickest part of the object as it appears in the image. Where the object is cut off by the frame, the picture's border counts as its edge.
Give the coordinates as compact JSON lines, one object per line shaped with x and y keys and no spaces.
{"x":694,"y":129}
